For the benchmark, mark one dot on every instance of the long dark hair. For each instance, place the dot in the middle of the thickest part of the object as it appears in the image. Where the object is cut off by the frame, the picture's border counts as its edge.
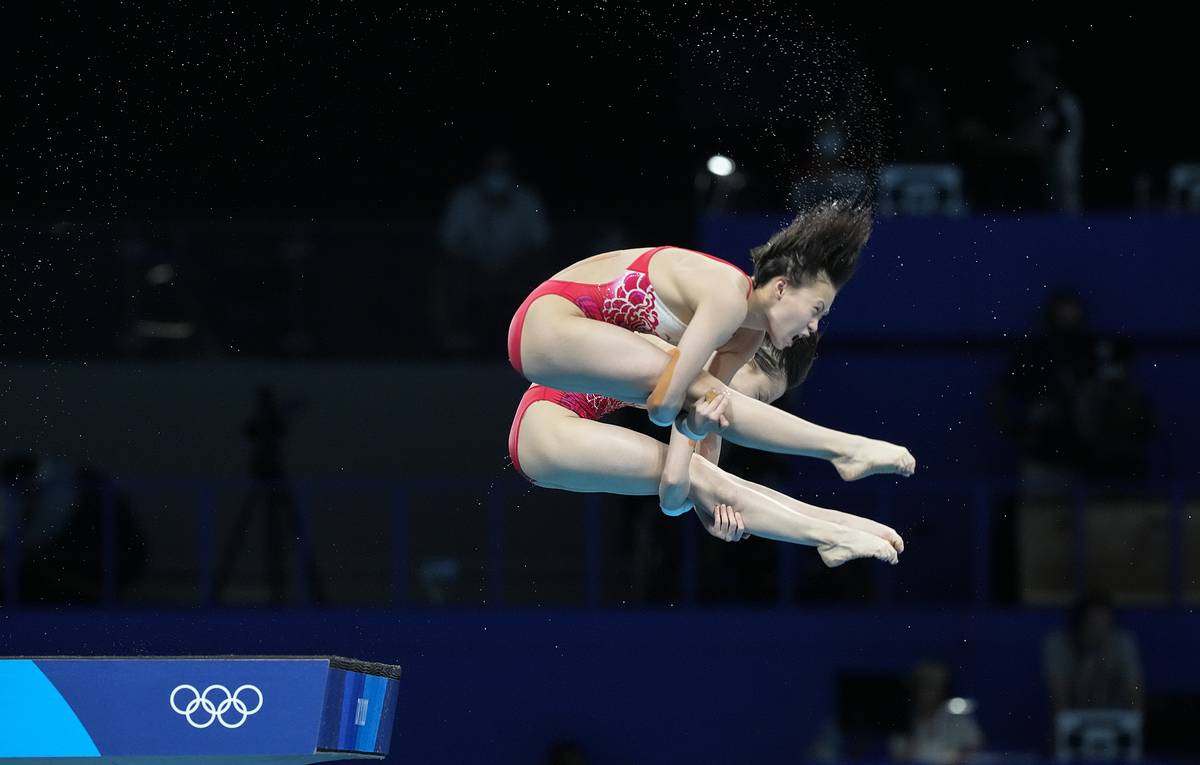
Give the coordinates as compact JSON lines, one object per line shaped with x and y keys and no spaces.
{"x":826,"y":238}
{"x":792,"y":362}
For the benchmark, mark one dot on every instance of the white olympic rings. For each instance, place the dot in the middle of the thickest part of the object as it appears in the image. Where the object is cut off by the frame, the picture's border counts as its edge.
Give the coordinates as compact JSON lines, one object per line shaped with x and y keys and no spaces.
{"x":216,"y":712}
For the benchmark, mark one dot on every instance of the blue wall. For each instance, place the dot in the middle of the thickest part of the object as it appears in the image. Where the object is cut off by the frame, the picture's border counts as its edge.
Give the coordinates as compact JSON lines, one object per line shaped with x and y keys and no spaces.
{"x":975,"y":286}
{"x":670,"y":686}
{"x":986,"y":276}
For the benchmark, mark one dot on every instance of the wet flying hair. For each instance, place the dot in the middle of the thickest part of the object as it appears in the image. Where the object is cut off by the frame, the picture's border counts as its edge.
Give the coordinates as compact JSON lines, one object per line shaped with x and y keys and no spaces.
{"x":793,"y":362}
{"x":826,"y":238}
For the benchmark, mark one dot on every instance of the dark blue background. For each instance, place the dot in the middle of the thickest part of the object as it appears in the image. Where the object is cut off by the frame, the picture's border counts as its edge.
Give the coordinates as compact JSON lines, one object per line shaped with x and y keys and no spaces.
{"x":657,"y":686}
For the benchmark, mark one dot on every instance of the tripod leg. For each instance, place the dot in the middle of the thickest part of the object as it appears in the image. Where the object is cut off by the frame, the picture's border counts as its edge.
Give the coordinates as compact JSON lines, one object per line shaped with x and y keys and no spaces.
{"x":304,"y":549}
{"x":241,"y":524}
{"x":276,"y":541}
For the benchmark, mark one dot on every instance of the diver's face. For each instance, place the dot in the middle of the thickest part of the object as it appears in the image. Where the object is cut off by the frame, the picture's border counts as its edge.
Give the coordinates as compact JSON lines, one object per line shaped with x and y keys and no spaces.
{"x":796,"y":312}
{"x":752,"y":381}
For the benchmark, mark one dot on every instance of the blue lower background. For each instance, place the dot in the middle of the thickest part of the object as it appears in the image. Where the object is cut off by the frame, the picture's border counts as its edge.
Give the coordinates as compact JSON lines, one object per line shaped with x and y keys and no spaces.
{"x":631,"y":686}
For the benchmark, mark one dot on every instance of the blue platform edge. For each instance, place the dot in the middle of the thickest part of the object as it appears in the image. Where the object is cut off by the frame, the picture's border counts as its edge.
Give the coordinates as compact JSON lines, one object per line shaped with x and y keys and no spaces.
{"x":359,"y":710}
{"x":80,"y":707}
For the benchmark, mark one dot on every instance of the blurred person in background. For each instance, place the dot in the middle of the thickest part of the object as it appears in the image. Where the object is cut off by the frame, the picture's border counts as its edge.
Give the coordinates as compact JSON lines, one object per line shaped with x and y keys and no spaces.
{"x":1050,"y":126}
{"x":1070,"y":407}
{"x":1114,"y":416}
{"x":492,"y":233}
{"x":58,"y":516}
{"x":1090,"y":663}
{"x":943,"y":730}
{"x":1035,"y":155}
{"x":1034,"y":402}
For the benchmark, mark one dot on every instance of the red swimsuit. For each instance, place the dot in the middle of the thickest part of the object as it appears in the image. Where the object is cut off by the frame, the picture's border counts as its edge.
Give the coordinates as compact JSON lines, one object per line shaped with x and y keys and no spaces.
{"x":628,"y":301}
{"x":589,"y":406}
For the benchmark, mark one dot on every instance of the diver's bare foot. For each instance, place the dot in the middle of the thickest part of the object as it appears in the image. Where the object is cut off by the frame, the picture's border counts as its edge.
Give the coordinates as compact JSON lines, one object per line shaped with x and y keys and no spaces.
{"x":886,"y":533}
{"x":892,"y":538}
{"x":857,"y":544}
{"x":872,"y":457}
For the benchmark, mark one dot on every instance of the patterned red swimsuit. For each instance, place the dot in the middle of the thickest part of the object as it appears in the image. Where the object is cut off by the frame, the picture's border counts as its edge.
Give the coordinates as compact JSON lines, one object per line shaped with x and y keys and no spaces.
{"x":628,"y":301}
{"x":589,"y":406}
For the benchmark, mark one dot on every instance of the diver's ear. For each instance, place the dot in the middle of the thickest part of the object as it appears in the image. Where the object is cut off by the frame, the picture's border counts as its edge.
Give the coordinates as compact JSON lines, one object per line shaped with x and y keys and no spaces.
{"x":780,"y":287}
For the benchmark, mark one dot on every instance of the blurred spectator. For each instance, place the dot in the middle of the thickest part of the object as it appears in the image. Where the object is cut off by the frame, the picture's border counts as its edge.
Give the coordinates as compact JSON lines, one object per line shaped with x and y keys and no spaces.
{"x":1056,"y":379}
{"x":1050,"y":126}
{"x":1114,"y":417}
{"x":943,"y":729}
{"x":1035,"y":156}
{"x":492,"y":232}
{"x":59,"y":521}
{"x":1183,"y":188}
{"x":1069,"y":405}
{"x":1034,"y":403}
{"x":1091,"y":664}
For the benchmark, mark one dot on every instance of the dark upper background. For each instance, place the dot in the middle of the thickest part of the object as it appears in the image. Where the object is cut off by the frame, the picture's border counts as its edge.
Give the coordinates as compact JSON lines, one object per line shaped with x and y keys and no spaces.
{"x":218,"y":109}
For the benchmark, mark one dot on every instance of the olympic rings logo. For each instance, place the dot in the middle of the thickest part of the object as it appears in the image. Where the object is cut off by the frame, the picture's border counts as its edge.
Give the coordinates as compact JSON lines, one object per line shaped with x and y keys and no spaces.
{"x":216,"y":712}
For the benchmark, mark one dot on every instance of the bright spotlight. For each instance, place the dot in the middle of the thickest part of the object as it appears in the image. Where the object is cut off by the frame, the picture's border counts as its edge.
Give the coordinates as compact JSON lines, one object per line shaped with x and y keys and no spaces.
{"x":721,"y":165}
